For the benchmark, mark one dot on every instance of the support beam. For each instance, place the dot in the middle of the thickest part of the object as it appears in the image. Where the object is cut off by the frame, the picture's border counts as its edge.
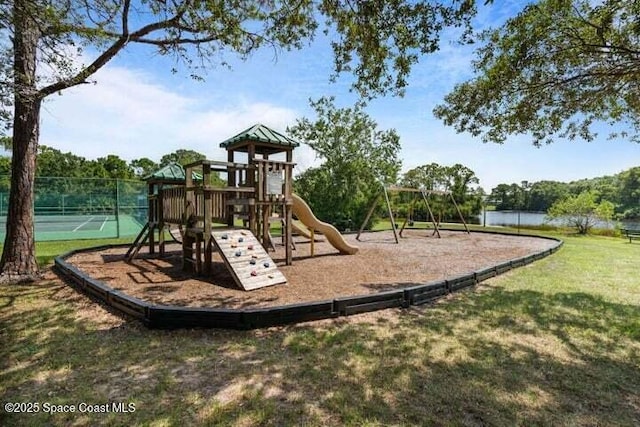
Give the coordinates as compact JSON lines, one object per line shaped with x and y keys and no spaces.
{"x":289,"y":239}
{"x":393,"y":221}
{"x":460,"y":214}
{"x":366,"y":219}
{"x":433,"y":220}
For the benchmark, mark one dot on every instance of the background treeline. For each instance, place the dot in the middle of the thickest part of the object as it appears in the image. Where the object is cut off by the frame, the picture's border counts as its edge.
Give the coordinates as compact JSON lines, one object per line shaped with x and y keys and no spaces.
{"x":68,"y":184}
{"x":358,"y":159}
{"x":622,"y":189}
{"x":54,"y":163}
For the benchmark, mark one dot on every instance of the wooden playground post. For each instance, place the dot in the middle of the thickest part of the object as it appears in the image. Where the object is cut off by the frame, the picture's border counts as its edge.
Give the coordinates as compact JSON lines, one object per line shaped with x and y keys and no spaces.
{"x":288,"y":207}
{"x":313,"y":239}
{"x":206,"y":212}
{"x":289,"y":231}
{"x":152,"y":215}
{"x":231,"y":183}
{"x":160,"y":213}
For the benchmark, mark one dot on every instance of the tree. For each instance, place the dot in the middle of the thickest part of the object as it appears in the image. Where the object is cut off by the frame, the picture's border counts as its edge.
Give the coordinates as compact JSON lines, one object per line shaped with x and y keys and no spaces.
{"x":143,"y":167}
{"x":581,"y":212}
{"x":630,"y":193}
{"x":376,"y":41}
{"x":53,"y":162}
{"x":506,"y":197}
{"x":358,"y":158}
{"x":552,"y":71}
{"x":115,"y":167}
{"x":182,"y":157}
{"x":458,"y":179}
{"x":5,"y":165}
{"x":428,"y":177}
{"x":6,"y":142}
{"x":543,"y":194}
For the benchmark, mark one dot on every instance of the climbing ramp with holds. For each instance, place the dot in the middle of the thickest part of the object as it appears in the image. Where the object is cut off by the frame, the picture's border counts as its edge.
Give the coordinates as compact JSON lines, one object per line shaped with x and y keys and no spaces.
{"x":249,"y":264}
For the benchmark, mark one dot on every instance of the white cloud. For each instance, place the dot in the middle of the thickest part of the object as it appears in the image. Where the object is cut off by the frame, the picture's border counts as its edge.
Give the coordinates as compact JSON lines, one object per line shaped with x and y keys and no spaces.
{"x":129,"y":114}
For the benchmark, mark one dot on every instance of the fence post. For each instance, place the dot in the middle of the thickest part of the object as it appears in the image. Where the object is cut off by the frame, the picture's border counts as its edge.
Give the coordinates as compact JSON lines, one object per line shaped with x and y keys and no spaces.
{"x":117,"y":208}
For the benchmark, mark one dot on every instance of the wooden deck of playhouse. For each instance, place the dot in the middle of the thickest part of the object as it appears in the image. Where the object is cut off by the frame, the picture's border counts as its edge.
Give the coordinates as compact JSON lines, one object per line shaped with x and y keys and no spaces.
{"x":256,"y":191}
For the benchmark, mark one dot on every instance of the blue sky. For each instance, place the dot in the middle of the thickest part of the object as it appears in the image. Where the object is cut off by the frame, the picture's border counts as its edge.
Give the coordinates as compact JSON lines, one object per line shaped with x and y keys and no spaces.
{"x":138,"y":108}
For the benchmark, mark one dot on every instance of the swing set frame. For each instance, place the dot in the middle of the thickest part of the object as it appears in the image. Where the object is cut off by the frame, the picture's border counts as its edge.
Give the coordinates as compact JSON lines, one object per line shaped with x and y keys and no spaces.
{"x":415,"y":191}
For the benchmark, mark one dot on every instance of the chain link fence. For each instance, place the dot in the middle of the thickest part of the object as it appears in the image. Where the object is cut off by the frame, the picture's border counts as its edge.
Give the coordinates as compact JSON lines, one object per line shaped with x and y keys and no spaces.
{"x":82,"y":208}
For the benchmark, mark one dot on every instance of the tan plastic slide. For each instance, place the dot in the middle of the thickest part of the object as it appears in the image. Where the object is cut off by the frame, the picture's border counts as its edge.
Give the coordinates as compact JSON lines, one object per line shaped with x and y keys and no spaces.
{"x":306,"y":216}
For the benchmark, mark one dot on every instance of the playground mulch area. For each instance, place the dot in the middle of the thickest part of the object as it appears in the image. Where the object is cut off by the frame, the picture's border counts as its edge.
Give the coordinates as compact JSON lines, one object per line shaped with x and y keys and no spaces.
{"x":379,"y":265}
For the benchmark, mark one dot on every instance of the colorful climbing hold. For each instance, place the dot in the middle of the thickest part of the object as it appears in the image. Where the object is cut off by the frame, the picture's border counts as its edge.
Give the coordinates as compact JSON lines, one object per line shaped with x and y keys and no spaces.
{"x":233,"y":245}
{"x":254,"y":273}
{"x":225,"y":236}
{"x":239,"y":253}
{"x":250,"y":247}
{"x":252,"y":262}
{"x":240,"y":239}
{"x":266,"y":264}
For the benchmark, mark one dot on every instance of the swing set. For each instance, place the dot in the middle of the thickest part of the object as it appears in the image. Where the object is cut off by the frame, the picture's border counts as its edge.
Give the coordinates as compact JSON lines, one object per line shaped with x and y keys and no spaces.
{"x":417,"y":194}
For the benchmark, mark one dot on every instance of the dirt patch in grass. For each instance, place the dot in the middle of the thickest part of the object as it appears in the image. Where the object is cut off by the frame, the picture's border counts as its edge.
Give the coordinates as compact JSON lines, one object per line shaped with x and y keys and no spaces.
{"x":379,"y":265}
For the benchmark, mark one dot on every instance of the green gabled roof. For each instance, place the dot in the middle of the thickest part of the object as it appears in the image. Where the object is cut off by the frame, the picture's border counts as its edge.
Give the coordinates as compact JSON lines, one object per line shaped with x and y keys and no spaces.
{"x":173,"y":172}
{"x":260,"y":133}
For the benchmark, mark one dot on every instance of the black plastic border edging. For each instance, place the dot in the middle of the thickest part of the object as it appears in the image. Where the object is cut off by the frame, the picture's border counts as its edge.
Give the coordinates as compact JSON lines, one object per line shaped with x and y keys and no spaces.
{"x":175,"y":317}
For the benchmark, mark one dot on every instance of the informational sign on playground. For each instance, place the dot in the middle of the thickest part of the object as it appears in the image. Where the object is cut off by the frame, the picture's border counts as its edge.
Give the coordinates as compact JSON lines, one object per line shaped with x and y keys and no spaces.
{"x":274,"y":183}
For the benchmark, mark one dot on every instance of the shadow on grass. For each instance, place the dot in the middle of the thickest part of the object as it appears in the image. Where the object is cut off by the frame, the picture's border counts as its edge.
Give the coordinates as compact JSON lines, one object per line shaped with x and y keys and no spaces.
{"x":487,"y":358}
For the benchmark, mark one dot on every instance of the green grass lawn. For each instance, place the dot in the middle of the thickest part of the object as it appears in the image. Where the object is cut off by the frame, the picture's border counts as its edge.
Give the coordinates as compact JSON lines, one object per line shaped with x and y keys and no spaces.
{"x":47,"y":251}
{"x":554,"y":343}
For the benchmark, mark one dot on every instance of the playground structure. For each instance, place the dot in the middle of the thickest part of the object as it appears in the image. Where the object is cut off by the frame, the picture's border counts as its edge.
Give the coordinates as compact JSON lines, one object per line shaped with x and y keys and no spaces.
{"x":414,"y":191}
{"x":256,"y":194}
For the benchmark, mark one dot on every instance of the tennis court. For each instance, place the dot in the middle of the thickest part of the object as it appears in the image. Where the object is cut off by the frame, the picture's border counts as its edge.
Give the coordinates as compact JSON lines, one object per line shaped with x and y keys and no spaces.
{"x":75,"y":227}
{"x":72,"y":208}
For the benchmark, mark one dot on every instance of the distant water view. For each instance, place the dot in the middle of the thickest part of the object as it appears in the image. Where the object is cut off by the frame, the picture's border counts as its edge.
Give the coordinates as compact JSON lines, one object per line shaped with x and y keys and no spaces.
{"x":510,"y":218}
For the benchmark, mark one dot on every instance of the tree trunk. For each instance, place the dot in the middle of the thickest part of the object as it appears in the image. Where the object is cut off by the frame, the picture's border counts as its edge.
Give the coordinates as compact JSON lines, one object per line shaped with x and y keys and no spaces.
{"x":18,"y":263}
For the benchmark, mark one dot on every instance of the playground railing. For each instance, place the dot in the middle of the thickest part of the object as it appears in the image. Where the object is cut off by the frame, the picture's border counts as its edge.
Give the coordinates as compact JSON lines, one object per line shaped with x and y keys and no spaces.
{"x":173,"y":204}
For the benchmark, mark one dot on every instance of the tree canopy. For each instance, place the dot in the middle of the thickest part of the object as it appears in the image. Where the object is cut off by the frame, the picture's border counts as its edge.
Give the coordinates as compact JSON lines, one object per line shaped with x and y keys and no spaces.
{"x":182,"y":157}
{"x":143,"y":167}
{"x":555,"y":70}
{"x":458,"y":179}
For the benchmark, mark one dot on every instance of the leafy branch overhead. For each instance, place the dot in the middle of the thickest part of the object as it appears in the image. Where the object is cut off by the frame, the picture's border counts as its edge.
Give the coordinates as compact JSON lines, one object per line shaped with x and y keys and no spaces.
{"x":554,"y":70}
{"x":378,"y":41}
